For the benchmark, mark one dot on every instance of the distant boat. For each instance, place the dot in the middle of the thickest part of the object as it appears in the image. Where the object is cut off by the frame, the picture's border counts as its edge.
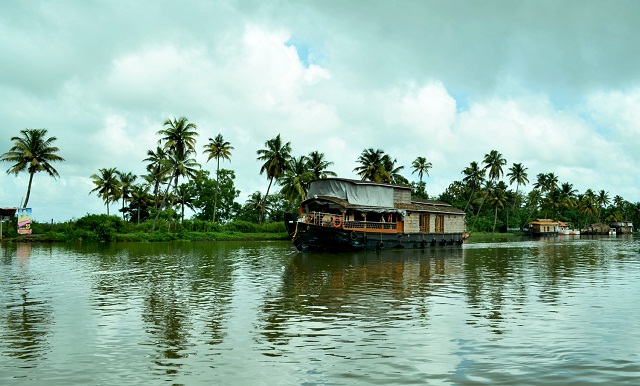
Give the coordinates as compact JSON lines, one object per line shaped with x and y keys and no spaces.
{"x":351,"y":215}
{"x":543,"y":227}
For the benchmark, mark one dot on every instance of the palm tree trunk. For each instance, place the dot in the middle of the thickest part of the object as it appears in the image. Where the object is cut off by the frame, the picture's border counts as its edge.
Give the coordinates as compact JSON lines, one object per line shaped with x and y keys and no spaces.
{"x":469,"y":200}
{"x":478,"y":214}
{"x":26,"y":200}
{"x":264,"y":199}
{"x":215,"y":200}
{"x":164,"y":199}
{"x":495,"y":219}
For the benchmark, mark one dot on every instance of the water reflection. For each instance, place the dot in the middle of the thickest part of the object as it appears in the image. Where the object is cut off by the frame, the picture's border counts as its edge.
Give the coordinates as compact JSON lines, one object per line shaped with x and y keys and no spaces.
{"x":25,"y":312}
{"x":323,"y":294}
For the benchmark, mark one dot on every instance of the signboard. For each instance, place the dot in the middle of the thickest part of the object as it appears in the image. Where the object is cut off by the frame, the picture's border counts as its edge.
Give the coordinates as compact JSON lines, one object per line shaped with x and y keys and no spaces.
{"x":24,"y":221}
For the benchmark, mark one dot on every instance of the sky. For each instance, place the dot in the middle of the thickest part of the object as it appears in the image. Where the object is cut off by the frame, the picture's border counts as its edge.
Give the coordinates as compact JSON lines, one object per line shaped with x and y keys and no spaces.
{"x":554,"y":85}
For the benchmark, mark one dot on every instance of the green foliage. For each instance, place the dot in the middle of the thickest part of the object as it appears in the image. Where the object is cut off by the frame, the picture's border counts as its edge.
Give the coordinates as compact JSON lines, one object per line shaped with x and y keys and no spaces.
{"x":92,"y":221}
{"x":242,"y":226}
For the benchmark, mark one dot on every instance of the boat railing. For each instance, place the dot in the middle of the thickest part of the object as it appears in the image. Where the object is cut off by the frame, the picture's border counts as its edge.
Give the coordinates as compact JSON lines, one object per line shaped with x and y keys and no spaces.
{"x":338,"y":221}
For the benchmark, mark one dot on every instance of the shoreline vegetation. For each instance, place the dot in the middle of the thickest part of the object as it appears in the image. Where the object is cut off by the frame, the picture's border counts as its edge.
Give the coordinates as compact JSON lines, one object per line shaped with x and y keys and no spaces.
{"x":152,"y":206}
{"x":103,"y":228}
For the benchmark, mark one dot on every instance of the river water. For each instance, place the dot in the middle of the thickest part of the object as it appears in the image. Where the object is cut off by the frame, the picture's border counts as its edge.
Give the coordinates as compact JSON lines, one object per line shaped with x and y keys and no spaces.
{"x":553,"y":311}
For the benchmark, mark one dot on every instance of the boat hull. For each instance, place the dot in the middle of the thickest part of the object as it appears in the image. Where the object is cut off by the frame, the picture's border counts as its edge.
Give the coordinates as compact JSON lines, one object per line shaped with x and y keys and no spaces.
{"x":308,"y":237}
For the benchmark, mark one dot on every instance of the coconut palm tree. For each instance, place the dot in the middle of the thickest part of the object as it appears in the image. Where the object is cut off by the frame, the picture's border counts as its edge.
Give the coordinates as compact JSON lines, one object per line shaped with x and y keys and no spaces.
{"x":493,"y":162}
{"x":497,"y":198}
{"x":179,"y":141}
{"x":587,"y":205}
{"x":218,"y":148}
{"x":421,"y":166}
{"x":372,"y":166}
{"x":602,"y":200}
{"x":179,"y":136}
{"x":107,"y":185}
{"x":318,"y":165}
{"x":140,"y":198}
{"x":518,"y":174}
{"x":186,"y":196}
{"x":474,"y":177}
{"x":126,"y":183}
{"x":295,"y":180}
{"x":32,"y":152}
{"x":157,"y":168}
{"x":275,"y":156}
{"x":393,"y":171}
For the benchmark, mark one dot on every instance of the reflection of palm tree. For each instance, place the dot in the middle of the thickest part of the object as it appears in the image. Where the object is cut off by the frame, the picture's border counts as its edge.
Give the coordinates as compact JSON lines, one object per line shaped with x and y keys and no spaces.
{"x":275,"y":156}
{"x":33,"y":153}
{"x":107,"y":185}
{"x":218,"y":148}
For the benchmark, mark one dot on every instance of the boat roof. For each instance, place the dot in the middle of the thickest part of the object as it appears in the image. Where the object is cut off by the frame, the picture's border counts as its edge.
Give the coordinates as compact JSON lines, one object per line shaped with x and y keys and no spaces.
{"x":361,"y":182}
{"x":424,"y":206}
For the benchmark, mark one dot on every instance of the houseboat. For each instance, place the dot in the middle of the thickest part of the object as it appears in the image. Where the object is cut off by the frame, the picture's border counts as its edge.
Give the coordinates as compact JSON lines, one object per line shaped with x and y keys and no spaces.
{"x":622,"y":227}
{"x":542,"y":227}
{"x":350,"y":215}
{"x":599,"y":229}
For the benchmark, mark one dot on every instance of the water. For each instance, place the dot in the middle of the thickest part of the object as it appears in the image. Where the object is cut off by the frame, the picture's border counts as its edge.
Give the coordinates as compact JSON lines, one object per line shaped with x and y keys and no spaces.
{"x":527,"y":312}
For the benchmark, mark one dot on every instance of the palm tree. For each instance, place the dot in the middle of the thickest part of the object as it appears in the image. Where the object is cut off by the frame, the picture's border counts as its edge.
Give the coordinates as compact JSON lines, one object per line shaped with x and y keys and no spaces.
{"x":493,"y":162}
{"x":602,"y":201}
{"x":157,"y":168}
{"x":126,"y":183}
{"x":107,"y":185}
{"x":186,"y":196}
{"x":295,"y":179}
{"x":497,"y":198}
{"x":474,"y":178}
{"x":318,"y":165}
{"x":393,"y":171}
{"x":518,"y":174}
{"x":276,"y":157}
{"x":218,"y":148}
{"x":179,"y":142}
{"x":372,"y":166}
{"x":140,"y":198}
{"x":587,"y":205}
{"x":34,"y":153}
{"x":179,"y":136}
{"x":421,"y":166}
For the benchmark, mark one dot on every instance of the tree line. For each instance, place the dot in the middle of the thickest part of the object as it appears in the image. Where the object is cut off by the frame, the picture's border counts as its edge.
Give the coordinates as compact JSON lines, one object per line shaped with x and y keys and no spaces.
{"x":174,"y":180}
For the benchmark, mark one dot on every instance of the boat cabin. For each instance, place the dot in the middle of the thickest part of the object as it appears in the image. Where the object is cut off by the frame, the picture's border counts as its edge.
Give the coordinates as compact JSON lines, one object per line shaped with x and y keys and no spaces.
{"x":374,"y":207}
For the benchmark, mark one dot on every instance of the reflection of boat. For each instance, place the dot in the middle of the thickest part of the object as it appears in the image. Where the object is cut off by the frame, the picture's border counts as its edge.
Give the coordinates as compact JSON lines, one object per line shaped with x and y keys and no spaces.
{"x":348,"y":215}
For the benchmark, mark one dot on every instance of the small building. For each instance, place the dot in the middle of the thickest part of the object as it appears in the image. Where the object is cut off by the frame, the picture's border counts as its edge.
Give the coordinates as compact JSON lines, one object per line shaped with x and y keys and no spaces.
{"x":543,"y":227}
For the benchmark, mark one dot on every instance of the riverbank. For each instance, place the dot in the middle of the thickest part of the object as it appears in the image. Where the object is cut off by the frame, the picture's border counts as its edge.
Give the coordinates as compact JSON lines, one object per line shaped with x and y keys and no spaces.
{"x":51,"y":237}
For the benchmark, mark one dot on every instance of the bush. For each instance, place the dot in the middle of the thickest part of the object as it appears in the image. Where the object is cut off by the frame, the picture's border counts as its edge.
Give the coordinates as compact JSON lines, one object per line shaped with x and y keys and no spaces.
{"x":91,"y":222}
